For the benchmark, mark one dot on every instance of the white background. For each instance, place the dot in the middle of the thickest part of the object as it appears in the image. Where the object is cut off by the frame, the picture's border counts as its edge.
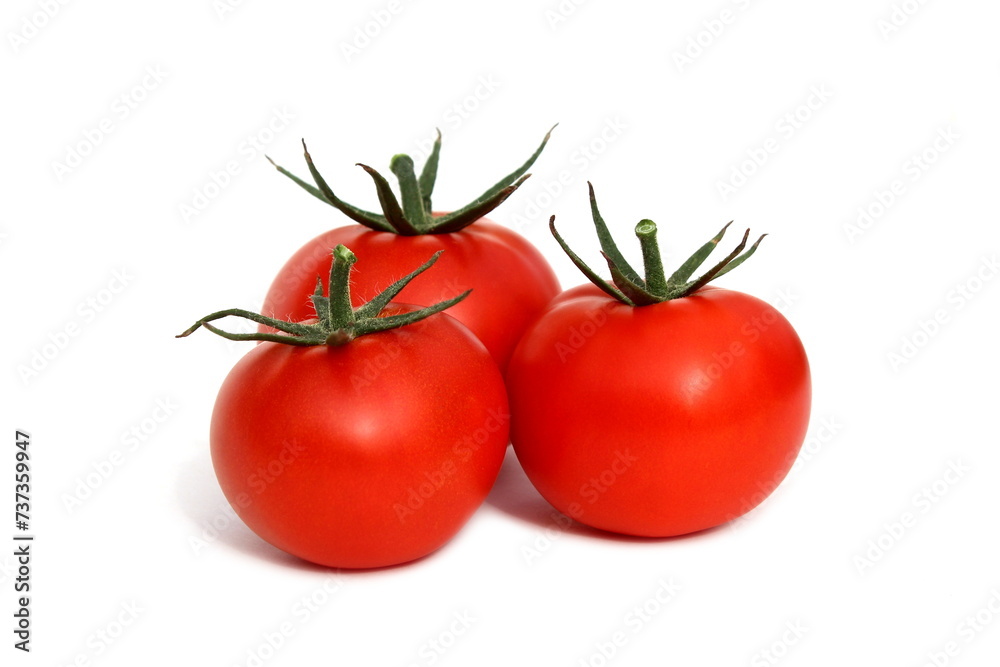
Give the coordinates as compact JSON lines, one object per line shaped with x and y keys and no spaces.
{"x":828,"y":554}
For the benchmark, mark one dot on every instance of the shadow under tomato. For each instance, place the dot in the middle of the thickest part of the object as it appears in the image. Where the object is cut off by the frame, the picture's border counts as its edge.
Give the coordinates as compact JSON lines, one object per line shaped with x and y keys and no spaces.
{"x":514,"y":495}
{"x":215,"y":525}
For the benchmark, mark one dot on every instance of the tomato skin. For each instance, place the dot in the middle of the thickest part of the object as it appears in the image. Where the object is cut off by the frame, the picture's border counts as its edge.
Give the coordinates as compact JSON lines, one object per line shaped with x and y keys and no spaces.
{"x":659,"y":420}
{"x":510,"y":279}
{"x":366,"y":455}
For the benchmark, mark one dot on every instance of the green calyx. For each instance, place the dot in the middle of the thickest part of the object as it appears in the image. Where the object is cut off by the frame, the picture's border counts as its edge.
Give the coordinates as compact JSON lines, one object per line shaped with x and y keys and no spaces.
{"x":411,"y":214}
{"x":337,"y":323}
{"x":655,"y":287}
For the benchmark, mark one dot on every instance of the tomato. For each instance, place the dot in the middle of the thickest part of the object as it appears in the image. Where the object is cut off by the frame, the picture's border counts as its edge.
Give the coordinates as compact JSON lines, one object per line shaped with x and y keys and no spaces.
{"x":510,"y":280}
{"x":370,"y":454}
{"x":352,"y":444}
{"x":661,"y":420}
{"x":658,"y":419}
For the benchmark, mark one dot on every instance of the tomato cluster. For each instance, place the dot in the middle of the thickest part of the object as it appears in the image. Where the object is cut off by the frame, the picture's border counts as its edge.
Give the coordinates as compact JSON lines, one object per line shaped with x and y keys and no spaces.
{"x":649,"y":404}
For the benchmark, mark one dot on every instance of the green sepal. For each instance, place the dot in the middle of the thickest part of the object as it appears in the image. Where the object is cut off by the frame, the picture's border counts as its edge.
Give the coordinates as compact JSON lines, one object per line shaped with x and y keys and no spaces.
{"x":390,"y":205}
{"x":428,"y":175}
{"x":592,"y":275}
{"x":288,"y":327}
{"x":375,"y":306}
{"x":321,"y":304}
{"x":377,"y":324}
{"x":742,"y":258}
{"x":608,"y":244}
{"x":712,"y":273}
{"x":302,"y":341}
{"x":494,"y":196}
{"x":458,"y":221}
{"x":325,"y":193}
{"x":681,"y":275}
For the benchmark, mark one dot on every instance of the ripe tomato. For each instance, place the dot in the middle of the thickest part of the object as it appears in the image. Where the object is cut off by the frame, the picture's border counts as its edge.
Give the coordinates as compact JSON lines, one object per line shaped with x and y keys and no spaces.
{"x":365,"y":455}
{"x":510,"y":280}
{"x":361,"y":438}
{"x":660,"y":420}
{"x":657,"y":406}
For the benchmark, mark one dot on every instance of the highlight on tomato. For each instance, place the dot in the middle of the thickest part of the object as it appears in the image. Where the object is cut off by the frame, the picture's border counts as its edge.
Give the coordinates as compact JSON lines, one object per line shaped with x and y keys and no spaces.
{"x":511,"y":280}
{"x":365,"y":436}
{"x":657,"y":405}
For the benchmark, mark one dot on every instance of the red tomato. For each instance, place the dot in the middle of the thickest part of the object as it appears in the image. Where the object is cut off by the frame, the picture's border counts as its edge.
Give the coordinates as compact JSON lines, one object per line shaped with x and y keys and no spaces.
{"x":510,"y":279}
{"x":658,"y":420}
{"x":365,"y":455}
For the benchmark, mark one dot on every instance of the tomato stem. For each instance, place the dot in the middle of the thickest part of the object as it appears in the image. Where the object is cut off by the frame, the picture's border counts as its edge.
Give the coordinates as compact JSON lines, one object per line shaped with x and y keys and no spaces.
{"x":341,"y":312}
{"x":409,"y":189}
{"x":656,"y":281}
